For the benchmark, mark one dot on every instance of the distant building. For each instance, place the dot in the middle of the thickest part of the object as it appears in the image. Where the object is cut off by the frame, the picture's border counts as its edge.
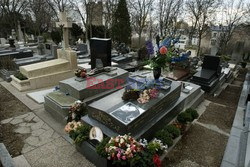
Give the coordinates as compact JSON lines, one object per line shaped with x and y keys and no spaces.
{"x":216,"y":33}
{"x":96,"y":11}
{"x":182,"y":43}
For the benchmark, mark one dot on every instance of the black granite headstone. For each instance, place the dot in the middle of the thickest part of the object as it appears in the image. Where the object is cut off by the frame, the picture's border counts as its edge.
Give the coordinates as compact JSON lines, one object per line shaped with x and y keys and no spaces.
{"x":100,"y":49}
{"x":208,"y":77}
{"x":211,"y":63}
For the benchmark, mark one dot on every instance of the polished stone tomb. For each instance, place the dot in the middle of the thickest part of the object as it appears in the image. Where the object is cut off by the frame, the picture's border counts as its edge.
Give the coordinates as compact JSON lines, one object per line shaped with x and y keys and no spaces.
{"x":210,"y":73}
{"x":129,"y":116}
{"x":117,"y":117}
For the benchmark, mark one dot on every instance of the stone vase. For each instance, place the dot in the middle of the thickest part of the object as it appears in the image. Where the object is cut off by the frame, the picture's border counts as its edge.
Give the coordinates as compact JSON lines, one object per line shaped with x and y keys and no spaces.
{"x":157,"y":73}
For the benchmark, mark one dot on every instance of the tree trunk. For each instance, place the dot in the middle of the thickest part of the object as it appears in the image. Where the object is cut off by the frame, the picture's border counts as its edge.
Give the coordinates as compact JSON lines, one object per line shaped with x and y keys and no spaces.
{"x":140,"y":40}
{"x":199,"y":47}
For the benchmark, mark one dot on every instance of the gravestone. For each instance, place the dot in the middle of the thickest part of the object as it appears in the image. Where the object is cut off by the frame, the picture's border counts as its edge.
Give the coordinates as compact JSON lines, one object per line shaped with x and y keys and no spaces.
{"x":3,"y":41}
{"x":100,"y":50}
{"x":208,"y":76}
{"x":40,"y":47}
{"x":83,"y":48}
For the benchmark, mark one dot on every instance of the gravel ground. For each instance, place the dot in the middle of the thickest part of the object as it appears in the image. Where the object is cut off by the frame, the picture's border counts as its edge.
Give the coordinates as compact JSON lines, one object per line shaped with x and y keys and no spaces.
{"x":221,"y":116}
{"x":229,"y":97}
{"x":200,"y":147}
{"x":9,"y":105}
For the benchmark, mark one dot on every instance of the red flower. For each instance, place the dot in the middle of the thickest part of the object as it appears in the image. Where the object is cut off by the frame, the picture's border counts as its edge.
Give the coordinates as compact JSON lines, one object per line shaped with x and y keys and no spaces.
{"x":157,"y":160}
{"x":163,"y":50}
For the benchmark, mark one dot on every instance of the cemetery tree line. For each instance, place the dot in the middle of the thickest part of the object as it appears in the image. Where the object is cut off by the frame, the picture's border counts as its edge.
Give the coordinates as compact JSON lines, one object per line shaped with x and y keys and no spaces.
{"x":122,"y":18}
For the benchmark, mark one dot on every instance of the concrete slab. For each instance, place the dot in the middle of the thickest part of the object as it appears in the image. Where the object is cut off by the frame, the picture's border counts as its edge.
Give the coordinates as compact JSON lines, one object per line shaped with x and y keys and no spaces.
{"x":232,"y":150}
{"x":38,"y":96}
{"x":56,"y":153}
{"x":46,"y":117}
{"x":226,"y":164}
{"x":239,"y":118}
{"x":21,"y":161}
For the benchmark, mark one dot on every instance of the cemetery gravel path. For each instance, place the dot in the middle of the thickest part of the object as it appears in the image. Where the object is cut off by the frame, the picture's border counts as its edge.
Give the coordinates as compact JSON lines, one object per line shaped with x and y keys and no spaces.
{"x":204,"y":143}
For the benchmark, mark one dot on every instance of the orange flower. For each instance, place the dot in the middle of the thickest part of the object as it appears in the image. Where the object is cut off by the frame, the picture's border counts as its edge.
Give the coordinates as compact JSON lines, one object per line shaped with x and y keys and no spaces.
{"x":163,"y":50}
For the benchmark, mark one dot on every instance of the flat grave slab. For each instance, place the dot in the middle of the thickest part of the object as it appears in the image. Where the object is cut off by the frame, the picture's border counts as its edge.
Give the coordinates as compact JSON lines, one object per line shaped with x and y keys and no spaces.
{"x":82,"y":88}
{"x":38,"y":96}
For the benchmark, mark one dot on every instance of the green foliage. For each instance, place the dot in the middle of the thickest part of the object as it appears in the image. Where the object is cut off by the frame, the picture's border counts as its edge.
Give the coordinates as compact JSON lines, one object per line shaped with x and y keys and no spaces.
{"x":173,"y":130}
{"x":100,"y":148}
{"x":76,"y":31}
{"x":56,"y":36}
{"x":97,"y":31}
{"x":193,"y":113}
{"x":160,"y":61}
{"x":121,"y":30}
{"x":80,"y":134}
{"x":154,"y":148}
{"x":184,"y":117}
{"x":20,"y":76}
{"x":144,"y":159}
{"x":165,"y":137}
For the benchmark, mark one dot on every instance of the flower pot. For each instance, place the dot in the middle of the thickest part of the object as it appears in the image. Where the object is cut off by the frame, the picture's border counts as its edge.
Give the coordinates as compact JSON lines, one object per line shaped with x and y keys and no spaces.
{"x":157,"y":73}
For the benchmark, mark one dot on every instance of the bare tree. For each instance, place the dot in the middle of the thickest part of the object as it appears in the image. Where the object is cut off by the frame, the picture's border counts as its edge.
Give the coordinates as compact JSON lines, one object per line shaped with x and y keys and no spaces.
{"x":85,"y":11}
{"x":109,"y":9}
{"x":233,"y":15}
{"x":58,"y":6}
{"x":139,"y":10}
{"x":42,"y":14}
{"x":13,"y":9}
{"x":168,"y":13}
{"x":200,"y":11}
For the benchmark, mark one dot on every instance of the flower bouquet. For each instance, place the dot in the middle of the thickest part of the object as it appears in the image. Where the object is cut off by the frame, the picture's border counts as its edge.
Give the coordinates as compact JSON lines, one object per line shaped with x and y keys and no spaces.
{"x":81,"y":73}
{"x":122,"y":149}
{"x":77,"y":131}
{"x":76,"y":111}
{"x":126,"y":151}
{"x":161,"y":60}
{"x":148,"y":94}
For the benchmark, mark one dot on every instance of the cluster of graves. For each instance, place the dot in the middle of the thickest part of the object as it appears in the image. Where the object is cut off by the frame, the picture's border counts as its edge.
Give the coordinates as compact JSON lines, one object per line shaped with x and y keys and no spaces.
{"x":54,"y":66}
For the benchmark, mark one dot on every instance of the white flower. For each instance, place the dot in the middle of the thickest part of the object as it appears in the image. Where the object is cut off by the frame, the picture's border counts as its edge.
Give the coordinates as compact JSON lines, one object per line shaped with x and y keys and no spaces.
{"x":122,"y":140}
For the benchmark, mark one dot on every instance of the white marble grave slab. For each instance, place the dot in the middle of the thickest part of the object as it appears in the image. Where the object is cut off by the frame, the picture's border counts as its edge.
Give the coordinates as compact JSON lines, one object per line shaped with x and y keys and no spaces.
{"x":88,"y":66}
{"x":38,"y":96}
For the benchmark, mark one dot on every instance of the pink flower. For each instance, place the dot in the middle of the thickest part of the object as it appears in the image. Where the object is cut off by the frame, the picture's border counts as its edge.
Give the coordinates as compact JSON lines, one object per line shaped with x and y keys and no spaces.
{"x":123,"y":158}
{"x":163,"y":50}
{"x":118,"y":156}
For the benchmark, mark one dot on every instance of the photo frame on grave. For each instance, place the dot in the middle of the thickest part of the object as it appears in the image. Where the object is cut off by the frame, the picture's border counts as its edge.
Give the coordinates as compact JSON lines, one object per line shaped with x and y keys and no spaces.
{"x":127,"y":113}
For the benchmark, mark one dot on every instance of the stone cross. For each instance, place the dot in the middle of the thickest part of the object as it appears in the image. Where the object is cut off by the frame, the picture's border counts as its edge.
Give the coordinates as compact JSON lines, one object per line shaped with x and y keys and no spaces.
{"x":63,"y":23}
